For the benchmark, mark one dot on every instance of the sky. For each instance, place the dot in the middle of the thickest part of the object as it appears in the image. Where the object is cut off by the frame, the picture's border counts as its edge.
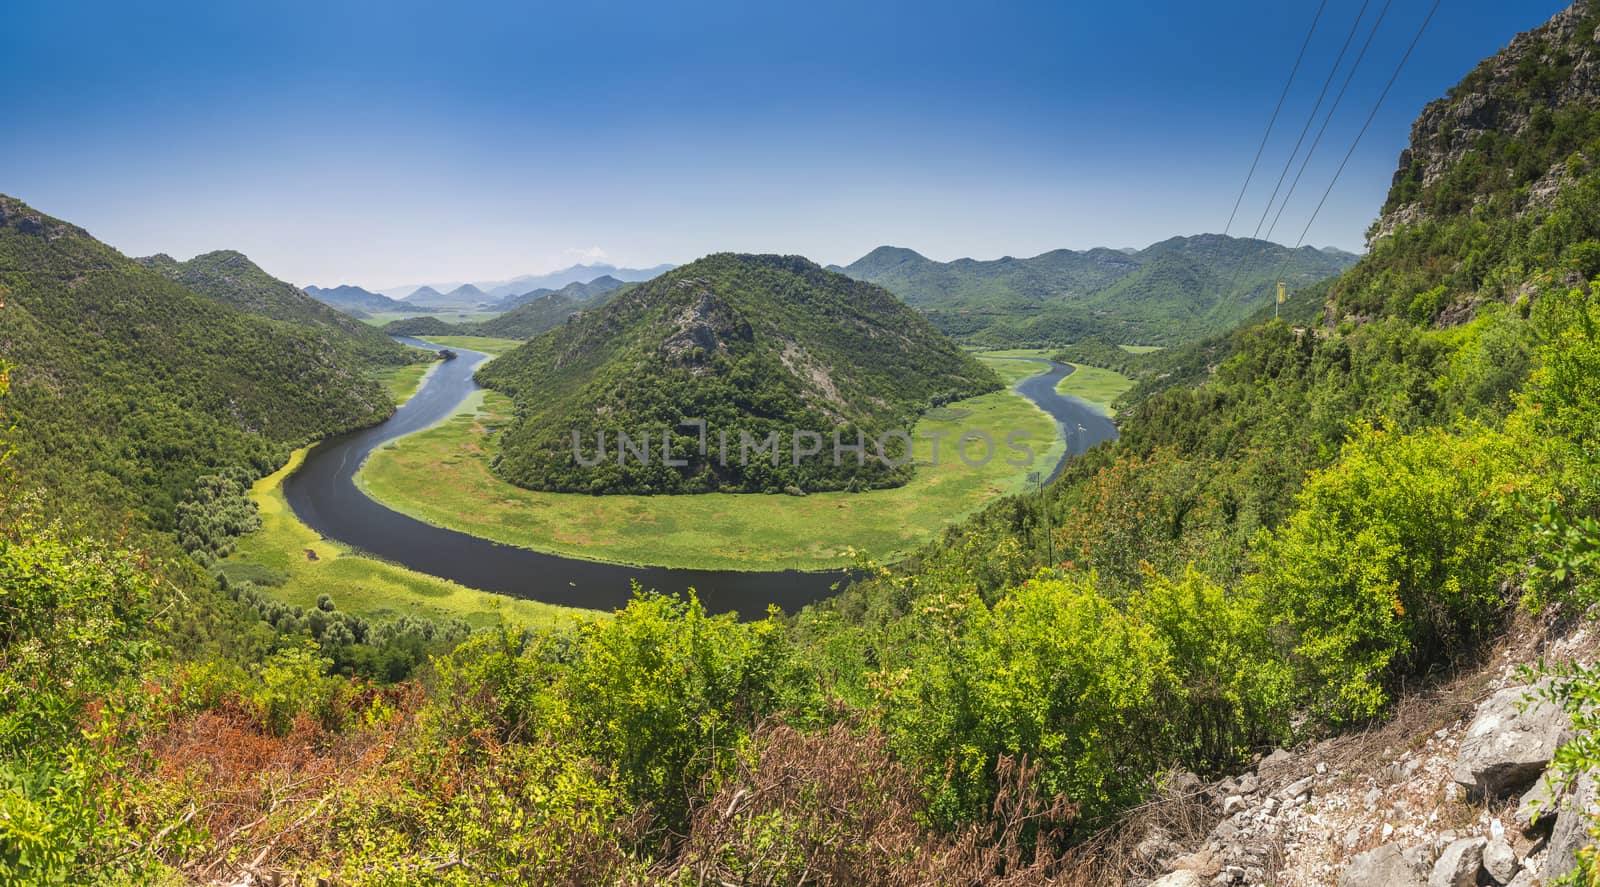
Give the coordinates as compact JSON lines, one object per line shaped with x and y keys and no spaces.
{"x":384,"y":143}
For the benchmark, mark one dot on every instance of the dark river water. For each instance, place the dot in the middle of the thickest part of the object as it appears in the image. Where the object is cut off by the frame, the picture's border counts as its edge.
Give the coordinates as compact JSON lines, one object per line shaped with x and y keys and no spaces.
{"x":324,"y":495}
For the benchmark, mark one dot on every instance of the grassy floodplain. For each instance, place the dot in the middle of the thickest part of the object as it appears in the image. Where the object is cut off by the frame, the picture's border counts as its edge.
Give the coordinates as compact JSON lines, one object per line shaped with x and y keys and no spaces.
{"x":403,"y":381}
{"x":303,"y":565}
{"x":382,"y":317}
{"x":442,"y":476}
{"x":486,"y":344}
{"x":1097,"y":385}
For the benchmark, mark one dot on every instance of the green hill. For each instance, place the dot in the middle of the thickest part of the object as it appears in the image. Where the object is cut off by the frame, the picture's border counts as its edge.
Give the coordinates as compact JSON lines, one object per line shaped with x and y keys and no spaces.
{"x":1179,"y":290}
{"x":754,"y":344}
{"x":127,"y":386}
{"x":357,"y":302}
{"x":526,"y":320}
{"x":230,"y":277}
{"x":546,"y":312}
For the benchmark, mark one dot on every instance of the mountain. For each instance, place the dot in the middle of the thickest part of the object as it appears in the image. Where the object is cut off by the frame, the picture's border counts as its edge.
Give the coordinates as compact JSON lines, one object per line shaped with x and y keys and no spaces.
{"x":463,"y":297}
{"x":230,"y":277}
{"x":127,"y":385}
{"x":753,"y":344}
{"x":355,"y":301}
{"x":1178,"y":290}
{"x":1500,"y":174}
{"x":550,"y":310}
{"x":555,"y":280}
{"x":577,"y":291}
{"x":545,"y":310}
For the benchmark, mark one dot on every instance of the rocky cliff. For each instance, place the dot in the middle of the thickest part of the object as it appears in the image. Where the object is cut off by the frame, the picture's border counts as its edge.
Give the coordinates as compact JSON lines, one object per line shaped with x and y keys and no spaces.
{"x":1504,"y":136}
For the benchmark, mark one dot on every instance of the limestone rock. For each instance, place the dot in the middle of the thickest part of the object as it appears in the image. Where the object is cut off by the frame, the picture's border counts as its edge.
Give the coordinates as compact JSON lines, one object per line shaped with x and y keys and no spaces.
{"x":1384,"y":866}
{"x":1571,"y":832}
{"x":1500,"y":861}
{"x":1537,"y":809}
{"x":1459,"y":864}
{"x":1510,"y":741}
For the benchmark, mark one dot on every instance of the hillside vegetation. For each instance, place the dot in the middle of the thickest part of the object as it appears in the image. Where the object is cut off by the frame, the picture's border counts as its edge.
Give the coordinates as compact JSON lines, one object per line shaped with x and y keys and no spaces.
{"x":751,"y":345}
{"x":1320,"y":518}
{"x":1176,"y":291}
{"x":129,"y":387}
{"x":231,"y":277}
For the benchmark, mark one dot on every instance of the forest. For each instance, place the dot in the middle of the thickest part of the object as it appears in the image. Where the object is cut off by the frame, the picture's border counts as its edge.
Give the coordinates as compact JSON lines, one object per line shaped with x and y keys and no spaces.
{"x":1302,"y":521}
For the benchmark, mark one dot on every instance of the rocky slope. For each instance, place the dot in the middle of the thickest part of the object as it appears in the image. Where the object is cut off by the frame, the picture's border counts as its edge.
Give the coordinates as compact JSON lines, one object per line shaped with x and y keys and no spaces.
{"x":1452,"y":791}
{"x":1505,"y":134}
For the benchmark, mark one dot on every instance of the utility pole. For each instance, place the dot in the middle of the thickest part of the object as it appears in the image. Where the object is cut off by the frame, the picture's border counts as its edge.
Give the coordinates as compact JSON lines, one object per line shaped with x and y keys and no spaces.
{"x":1049,"y":525}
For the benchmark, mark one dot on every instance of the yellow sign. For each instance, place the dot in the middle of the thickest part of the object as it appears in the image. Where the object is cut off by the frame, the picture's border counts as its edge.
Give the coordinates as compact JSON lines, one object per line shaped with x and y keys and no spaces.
{"x":1282,"y":296}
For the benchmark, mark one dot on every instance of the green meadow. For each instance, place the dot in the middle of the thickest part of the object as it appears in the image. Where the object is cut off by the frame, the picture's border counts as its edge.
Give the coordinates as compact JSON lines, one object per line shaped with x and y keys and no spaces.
{"x":402,"y":381}
{"x":298,"y":565}
{"x":442,"y":476}
{"x":486,"y":344}
{"x":1097,"y":385}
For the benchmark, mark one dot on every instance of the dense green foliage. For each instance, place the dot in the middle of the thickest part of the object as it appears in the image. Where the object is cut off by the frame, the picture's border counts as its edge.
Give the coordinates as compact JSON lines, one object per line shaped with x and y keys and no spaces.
{"x":751,"y":345}
{"x":1176,"y":291}
{"x":129,"y":387}
{"x":1297,"y":523}
{"x":231,"y":277}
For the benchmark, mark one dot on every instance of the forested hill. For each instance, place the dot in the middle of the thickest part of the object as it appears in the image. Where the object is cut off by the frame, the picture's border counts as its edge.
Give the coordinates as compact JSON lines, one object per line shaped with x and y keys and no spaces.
{"x":127,"y":386}
{"x":1175,"y":291}
{"x":1500,"y":179}
{"x":546,"y":310}
{"x":755,"y":343}
{"x":1298,"y":523}
{"x":230,"y":277}
{"x":356,"y":302}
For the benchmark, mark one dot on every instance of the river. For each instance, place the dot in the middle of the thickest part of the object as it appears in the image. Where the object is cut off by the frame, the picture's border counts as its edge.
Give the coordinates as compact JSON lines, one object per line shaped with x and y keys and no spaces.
{"x":324,"y":495}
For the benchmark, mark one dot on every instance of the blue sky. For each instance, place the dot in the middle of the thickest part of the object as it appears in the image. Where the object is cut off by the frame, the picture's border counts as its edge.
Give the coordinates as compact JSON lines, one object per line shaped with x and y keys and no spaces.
{"x":394,"y":142}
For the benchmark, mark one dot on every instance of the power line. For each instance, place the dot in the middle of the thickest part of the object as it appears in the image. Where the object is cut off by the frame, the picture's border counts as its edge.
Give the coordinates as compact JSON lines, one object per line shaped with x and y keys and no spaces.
{"x":1288,"y":162}
{"x":1353,"y":145}
{"x":1312,"y":118}
{"x":1274,"y":119}
{"x":1360,"y":56}
{"x":1364,"y":127}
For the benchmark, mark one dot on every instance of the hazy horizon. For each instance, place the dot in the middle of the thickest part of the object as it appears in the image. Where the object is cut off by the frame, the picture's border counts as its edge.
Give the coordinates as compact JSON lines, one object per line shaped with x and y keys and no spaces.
{"x":385,"y":146}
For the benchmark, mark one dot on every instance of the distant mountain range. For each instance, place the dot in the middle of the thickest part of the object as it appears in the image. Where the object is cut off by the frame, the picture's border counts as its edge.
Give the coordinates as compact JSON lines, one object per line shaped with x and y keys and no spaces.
{"x":355,"y":301}
{"x":1174,"y":291}
{"x":500,"y":290}
{"x":539,"y":311}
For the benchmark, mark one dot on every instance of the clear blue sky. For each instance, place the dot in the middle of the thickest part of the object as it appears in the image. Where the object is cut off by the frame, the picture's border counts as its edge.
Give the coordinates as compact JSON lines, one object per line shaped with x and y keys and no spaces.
{"x":390,"y":142}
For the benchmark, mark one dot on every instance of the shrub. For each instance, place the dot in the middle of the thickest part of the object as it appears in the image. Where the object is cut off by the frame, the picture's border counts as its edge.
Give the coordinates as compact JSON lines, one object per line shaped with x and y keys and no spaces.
{"x":1391,"y":560}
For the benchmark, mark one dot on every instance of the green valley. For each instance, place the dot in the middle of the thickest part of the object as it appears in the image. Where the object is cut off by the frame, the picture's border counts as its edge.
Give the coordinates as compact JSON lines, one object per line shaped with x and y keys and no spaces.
{"x":751,"y":346}
{"x":444,"y":476}
{"x":1315,"y":598}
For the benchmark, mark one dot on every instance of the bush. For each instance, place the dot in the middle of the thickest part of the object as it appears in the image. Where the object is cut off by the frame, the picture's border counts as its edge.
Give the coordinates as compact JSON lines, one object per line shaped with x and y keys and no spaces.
{"x":1392,"y":561}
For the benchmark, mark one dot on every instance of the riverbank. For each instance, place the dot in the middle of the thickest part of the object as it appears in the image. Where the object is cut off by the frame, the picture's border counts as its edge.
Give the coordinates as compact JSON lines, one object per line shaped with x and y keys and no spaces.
{"x":300,"y":566}
{"x":1097,"y":385}
{"x":442,"y":476}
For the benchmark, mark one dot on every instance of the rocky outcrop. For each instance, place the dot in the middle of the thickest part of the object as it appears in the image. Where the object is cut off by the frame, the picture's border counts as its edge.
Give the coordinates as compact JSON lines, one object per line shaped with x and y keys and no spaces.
{"x":1552,"y":67}
{"x":1510,"y":741}
{"x":1385,"y":866}
{"x":1427,"y":800}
